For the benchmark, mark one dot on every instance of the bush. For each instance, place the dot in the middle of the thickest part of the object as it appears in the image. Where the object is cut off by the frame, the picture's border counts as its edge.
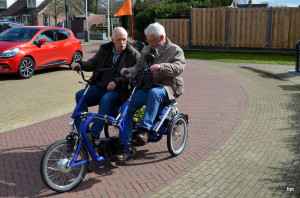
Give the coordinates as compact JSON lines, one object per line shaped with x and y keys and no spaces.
{"x":143,"y":19}
{"x":168,"y":10}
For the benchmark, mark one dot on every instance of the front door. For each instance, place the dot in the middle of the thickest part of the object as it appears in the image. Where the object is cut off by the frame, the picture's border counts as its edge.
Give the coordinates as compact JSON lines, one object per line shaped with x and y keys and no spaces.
{"x":46,"y":20}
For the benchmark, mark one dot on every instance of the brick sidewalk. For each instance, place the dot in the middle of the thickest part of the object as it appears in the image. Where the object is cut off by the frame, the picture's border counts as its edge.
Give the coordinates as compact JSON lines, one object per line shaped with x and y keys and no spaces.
{"x":216,"y":105}
{"x":261,"y":159}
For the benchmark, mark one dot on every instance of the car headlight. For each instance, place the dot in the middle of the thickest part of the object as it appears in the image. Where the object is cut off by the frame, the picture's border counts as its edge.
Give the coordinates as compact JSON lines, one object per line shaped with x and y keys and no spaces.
{"x":10,"y":53}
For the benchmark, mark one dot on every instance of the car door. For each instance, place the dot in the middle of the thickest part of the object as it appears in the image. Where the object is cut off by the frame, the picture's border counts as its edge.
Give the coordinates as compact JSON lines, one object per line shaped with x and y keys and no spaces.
{"x":46,"y":54}
{"x":65,"y":48}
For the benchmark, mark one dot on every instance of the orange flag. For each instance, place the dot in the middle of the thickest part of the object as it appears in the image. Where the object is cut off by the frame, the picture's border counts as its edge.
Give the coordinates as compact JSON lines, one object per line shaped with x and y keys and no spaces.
{"x":125,"y":9}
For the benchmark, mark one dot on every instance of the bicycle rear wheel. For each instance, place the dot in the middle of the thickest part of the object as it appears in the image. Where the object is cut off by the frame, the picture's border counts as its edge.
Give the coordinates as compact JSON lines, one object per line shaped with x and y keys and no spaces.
{"x":177,"y":134}
{"x":54,"y":169}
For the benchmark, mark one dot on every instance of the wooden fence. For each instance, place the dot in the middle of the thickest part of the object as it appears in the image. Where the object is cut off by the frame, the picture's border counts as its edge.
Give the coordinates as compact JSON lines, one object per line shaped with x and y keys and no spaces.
{"x":272,"y":28}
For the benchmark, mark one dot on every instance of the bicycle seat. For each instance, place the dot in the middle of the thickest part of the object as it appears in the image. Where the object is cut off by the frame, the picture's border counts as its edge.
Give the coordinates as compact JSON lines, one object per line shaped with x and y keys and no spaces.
{"x":168,"y":103}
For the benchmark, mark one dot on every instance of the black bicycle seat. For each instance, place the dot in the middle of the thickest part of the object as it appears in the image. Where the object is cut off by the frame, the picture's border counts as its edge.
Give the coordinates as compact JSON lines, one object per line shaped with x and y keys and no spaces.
{"x":168,"y":103}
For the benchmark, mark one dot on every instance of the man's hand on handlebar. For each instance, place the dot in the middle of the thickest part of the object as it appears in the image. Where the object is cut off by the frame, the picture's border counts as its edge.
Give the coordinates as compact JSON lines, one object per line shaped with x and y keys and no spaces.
{"x":154,"y":68}
{"x":122,"y":72}
{"x":74,"y":65}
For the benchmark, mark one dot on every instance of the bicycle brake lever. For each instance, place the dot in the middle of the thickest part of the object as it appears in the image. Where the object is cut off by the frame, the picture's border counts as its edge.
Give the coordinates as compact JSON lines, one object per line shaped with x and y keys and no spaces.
{"x":127,"y":74}
{"x":78,"y":69}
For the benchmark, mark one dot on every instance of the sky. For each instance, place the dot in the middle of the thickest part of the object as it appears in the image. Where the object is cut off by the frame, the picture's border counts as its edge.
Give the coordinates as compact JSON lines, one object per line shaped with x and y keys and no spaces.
{"x":288,"y":3}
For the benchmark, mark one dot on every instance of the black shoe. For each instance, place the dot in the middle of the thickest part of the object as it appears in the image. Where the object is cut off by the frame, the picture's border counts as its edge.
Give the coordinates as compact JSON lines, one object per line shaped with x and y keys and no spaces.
{"x":142,"y":136}
{"x":122,"y":158}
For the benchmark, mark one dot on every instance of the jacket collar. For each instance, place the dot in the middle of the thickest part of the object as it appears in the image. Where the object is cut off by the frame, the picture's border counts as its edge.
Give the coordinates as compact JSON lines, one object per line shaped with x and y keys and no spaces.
{"x":161,"y":48}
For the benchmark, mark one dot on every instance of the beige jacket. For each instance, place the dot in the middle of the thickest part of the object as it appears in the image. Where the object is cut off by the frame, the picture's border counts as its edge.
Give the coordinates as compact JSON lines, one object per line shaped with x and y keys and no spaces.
{"x":172,"y":61}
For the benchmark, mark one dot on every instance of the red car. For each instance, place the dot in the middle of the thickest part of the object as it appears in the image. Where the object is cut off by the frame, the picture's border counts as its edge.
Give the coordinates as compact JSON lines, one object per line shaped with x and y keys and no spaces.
{"x":26,"y":49}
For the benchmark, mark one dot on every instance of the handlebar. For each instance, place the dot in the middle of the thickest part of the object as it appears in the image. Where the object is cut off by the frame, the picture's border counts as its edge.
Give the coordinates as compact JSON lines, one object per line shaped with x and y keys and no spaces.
{"x":80,"y":71}
{"x":142,"y":70}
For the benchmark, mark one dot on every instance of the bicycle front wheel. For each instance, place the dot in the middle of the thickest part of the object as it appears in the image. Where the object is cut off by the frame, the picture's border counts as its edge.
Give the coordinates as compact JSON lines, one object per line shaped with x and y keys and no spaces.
{"x":54,"y":168}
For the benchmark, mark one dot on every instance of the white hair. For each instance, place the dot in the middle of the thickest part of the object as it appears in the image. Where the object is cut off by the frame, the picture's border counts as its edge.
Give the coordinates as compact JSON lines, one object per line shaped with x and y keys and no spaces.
{"x":121,"y":29}
{"x":155,"y":29}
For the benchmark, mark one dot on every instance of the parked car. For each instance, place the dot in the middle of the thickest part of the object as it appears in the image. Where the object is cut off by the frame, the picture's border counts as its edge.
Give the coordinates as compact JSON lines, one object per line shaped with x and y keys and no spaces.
{"x":4,"y":25}
{"x":60,"y":24}
{"x":26,"y":49}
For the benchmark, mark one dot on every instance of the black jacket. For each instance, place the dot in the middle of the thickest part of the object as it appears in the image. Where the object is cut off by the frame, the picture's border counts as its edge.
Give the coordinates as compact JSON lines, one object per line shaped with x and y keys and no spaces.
{"x":127,"y":59}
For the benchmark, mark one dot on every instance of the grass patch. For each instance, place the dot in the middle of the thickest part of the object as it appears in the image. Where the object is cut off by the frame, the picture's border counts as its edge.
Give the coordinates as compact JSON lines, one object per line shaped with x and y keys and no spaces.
{"x":242,"y":58}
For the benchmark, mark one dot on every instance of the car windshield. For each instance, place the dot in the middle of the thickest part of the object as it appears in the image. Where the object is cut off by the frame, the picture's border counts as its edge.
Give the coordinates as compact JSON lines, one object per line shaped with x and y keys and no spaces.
{"x":18,"y":34}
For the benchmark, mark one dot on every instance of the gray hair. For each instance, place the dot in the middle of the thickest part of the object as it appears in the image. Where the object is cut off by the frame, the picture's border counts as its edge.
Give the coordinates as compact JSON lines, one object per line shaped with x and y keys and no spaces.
{"x":155,"y":29}
{"x":121,"y":29}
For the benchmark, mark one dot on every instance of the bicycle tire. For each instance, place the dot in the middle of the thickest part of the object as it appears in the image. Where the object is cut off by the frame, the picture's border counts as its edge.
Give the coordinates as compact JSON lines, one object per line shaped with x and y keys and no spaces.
{"x":53,"y":171}
{"x":177,"y":134}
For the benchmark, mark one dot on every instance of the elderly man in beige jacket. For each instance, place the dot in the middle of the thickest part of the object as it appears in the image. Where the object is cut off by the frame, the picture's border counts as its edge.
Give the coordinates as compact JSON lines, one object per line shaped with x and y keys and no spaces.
{"x":163,"y":84}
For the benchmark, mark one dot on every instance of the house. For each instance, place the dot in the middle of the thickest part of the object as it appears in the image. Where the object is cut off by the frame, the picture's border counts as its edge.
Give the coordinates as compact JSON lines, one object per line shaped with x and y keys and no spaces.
{"x":233,"y":4}
{"x":30,"y":12}
{"x":262,"y":5}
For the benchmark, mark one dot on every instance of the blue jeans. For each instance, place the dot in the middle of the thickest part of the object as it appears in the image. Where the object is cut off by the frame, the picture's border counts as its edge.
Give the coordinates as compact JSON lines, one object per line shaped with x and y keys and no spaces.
{"x":106,"y":100}
{"x":152,"y":99}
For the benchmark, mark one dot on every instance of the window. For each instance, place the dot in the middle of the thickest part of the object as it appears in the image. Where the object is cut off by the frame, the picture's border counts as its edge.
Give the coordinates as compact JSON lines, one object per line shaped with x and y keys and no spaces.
{"x":27,"y":19}
{"x":31,"y":3}
{"x":62,"y":35}
{"x":3,"y":4}
{"x":47,"y":34}
{"x":18,"y":34}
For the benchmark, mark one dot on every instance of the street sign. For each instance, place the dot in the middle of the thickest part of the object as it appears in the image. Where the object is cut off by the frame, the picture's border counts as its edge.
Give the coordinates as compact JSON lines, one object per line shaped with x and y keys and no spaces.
{"x":114,"y":20}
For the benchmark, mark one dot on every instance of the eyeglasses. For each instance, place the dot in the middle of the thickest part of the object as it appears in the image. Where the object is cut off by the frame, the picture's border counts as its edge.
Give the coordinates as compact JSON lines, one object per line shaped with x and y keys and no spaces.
{"x":151,"y":41}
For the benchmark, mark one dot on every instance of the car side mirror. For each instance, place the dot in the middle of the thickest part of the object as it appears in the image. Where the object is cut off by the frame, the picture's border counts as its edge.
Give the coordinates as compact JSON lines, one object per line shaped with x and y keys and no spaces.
{"x":42,"y":41}
{"x":150,"y":58}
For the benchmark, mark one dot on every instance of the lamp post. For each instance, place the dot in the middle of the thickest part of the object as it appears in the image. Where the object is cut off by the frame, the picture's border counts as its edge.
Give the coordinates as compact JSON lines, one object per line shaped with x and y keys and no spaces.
{"x":87,"y":36}
{"x":108,"y":23}
{"x":66,"y":10}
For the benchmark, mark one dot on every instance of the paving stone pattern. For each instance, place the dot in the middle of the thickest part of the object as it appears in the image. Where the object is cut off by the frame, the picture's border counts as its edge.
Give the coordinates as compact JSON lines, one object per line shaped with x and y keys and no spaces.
{"x":216,"y":105}
{"x":243,"y":136}
{"x":261,"y":159}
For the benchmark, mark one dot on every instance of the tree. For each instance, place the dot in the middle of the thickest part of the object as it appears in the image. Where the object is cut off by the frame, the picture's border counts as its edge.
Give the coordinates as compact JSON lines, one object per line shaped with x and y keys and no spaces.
{"x":219,"y":3}
{"x":141,"y":5}
{"x":57,"y":7}
{"x":165,"y":9}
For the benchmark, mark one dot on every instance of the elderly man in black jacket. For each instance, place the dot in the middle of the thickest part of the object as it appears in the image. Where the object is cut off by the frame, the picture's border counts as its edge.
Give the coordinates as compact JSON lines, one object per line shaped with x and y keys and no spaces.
{"x":110,"y":89}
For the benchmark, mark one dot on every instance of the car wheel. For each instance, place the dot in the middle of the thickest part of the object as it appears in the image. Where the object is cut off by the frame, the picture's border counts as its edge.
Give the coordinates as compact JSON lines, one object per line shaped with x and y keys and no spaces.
{"x":77,"y":56}
{"x":26,"y":68}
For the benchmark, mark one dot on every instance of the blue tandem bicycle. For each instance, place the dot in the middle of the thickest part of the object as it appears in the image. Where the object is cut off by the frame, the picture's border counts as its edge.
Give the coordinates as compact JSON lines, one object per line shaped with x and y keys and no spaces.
{"x":65,"y":162}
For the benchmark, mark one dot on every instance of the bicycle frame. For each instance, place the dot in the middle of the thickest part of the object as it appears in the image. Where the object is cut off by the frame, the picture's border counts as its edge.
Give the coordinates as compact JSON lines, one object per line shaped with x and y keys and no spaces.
{"x":82,"y":121}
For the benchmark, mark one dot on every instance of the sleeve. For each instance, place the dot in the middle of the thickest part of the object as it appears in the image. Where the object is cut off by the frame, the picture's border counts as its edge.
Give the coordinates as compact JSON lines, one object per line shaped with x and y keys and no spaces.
{"x":176,"y":66}
{"x":121,"y":81}
{"x":92,"y":63}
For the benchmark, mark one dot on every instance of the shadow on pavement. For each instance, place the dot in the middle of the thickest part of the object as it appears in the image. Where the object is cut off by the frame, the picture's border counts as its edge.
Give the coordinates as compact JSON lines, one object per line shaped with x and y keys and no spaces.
{"x":289,"y":171}
{"x":13,"y":76}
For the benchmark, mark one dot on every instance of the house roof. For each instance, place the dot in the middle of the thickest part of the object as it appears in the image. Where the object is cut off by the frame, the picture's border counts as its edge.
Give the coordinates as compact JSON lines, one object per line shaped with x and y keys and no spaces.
{"x":20,"y":7}
{"x":263,"y":5}
{"x":230,"y":2}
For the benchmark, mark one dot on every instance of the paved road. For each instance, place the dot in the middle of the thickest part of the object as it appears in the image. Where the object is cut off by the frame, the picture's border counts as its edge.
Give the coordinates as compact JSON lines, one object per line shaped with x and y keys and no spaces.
{"x":243,"y":136}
